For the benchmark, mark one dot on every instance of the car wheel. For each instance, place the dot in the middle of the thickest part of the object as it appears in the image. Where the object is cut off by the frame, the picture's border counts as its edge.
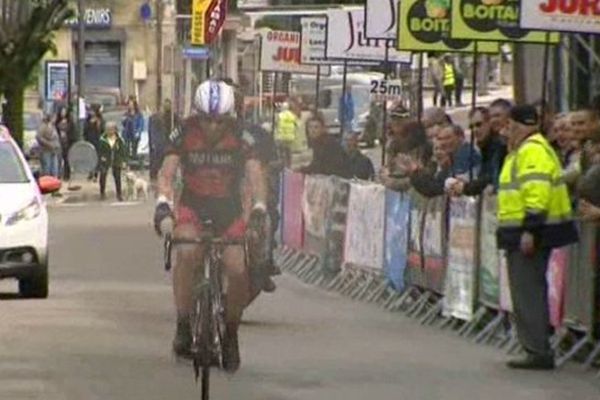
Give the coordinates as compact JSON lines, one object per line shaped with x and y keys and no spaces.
{"x":35,"y":287}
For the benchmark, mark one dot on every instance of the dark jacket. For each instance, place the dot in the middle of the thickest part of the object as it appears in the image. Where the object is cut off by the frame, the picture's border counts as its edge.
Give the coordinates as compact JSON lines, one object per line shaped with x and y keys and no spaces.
{"x":133,"y":125}
{"x":361,"y":166}
{"x":92,"y":132}
{"x":329,"y":158}
{"x":493,"y":153}
{"x":159,"y":129}
{"x":113,"y":157}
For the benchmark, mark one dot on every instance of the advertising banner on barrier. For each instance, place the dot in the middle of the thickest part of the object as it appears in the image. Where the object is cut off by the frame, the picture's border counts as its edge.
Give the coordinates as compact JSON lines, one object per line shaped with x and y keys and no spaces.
{"x":381,"y":19}
{"x":336,"y":226}
{"x":506,"y":303}
{"x":425,"y":26}
{"x":365,"y":226}
{"x":557,"y":271}
{"x":434,"y":244}
{"x":280,"y":52}
{"x":397,"y":219}
{"x":461,"y":274}
{"x":561,"y":16}
{"x":316,"y":207}
{"x":415,"y":272}
{"x":293,"y":186}
{"x":346,"y":39}
{"x":580,"y":301}
{"x":496,"y":20}
{"x":489,"y":255}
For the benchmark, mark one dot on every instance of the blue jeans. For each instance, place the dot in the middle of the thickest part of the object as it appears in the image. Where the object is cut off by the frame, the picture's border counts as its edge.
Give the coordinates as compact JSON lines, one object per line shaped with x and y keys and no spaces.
{"x":49,"y":162}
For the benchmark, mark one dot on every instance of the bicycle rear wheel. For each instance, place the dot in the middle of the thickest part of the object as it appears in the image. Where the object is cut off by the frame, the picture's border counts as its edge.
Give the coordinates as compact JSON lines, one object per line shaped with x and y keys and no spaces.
{"x":202,"y":337}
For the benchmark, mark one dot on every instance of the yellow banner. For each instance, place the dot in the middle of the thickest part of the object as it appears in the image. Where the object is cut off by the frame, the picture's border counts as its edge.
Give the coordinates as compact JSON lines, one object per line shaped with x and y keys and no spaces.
{"x":496,"y":20}
{"x":199,"y":8}
{"x":425,"y":26}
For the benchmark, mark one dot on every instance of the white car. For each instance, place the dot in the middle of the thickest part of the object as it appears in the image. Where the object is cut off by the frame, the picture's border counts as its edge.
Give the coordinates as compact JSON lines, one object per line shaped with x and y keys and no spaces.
{"x":23,"y":221}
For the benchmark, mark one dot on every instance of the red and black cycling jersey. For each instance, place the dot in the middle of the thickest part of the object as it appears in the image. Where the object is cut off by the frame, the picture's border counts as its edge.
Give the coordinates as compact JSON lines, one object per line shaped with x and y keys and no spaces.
{"x":211,"y":172}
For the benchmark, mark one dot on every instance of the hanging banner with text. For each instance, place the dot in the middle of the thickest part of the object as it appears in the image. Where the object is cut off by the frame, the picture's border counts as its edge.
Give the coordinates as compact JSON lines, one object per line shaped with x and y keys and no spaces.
{"x":425,"y":26}
{"x":381,"y":19}
{"x":208,"y":17}
{"x":561,"y":16}
{"x":280,"y":52}
{"x":496,"y":20}
{"x":346,"y":39}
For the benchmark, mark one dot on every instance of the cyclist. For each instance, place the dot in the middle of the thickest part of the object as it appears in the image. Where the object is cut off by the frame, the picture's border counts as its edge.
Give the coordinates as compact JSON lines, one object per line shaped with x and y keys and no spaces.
{"x":222,"y":181}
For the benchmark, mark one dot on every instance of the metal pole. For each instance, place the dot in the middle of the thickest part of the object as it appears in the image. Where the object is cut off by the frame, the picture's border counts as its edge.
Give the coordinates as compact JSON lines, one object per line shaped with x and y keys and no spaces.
{"x":275,"y":79}
{"x":473,"y":106}
{"x":386,"y":71}
{"x":545,"y":80}
{"x":318,"y":88}
{"x":420,"y":89}
{"x":344,"y":90}
{"x":159,"y":53}
{"x":80,"y":63}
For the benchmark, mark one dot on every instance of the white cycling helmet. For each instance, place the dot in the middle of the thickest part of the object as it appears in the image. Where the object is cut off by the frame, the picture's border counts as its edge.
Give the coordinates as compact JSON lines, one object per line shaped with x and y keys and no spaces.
{"x":215,"y":98}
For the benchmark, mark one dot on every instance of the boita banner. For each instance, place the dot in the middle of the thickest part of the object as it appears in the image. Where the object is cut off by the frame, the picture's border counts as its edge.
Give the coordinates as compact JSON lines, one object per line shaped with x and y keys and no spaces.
{"x":561,"y":15}
{"x":493,"y":20}
{"x":346,"y":39}
{"x":280,"y":52}
{"x":425,"y":26}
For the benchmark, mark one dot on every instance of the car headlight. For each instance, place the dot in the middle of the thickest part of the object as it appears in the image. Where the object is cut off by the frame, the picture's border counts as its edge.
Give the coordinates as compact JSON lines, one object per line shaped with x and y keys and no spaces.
{"x":27,"y":213}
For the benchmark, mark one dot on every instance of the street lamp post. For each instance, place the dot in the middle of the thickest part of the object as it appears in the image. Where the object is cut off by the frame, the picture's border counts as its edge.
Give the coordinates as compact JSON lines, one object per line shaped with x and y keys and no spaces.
{"x":81,"y":65}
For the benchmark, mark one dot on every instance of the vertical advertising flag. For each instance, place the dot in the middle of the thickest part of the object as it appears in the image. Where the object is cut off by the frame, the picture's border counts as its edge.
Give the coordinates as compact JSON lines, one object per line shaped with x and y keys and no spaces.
{"x":208,"y":17}
{"x":496,"y":20}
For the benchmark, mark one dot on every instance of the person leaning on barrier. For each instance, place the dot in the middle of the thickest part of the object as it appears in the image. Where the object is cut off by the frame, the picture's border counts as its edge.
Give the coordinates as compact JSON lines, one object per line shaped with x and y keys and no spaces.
{"x":534,"y":216}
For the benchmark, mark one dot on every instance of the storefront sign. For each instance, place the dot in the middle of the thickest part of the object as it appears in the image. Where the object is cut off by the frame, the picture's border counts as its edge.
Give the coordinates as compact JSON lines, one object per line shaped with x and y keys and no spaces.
{"x":196,"y":53}
{"x":93,"y":18}
{"x":381,"y":19}
{"x":561,"y":15}
{"x":208,"y":17}
{"x":346,"y":39}
{"x":280,"y":52}
{"x":252,"y":4}
{"x":58,"y":80}
{"x":496,"y":20}
{"x":425,"y":26}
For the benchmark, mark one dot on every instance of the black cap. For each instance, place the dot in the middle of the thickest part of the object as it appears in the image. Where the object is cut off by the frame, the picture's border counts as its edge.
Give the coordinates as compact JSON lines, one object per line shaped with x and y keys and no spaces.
{"x":524,"y":114}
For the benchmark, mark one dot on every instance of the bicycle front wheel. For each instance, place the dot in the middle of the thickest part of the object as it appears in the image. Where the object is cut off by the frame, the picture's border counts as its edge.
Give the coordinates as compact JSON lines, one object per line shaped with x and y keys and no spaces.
{"x":202,"y":337}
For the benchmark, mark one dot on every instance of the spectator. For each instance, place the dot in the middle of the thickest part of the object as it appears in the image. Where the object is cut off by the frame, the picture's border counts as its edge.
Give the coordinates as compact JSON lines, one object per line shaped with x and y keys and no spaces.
{"x":113,"y":155}
{"x":346,"y":112}
{"x":499,"y":114}
{"x":361,"y":166}
{"x":436,"y":76}
{"x":92,"y":130}
{"x":459,"y":71}
{"x":562,"y":139}
{"x":586,"y":128}
{"x":449,"y":80}
{"x":160,"y":127}
{"x":68,"y":135}
{"x":285,"y":134}
{"x":534,"y":216}
{"x":430,"y":181}
{"x":300,"y":143}
{"x":133,"y":125}
{"x":50,"y":147}
{"x":434,"y":119}
{"x":493,"y":151}
{"x":465,"y":160}
{"x":329,"y":158}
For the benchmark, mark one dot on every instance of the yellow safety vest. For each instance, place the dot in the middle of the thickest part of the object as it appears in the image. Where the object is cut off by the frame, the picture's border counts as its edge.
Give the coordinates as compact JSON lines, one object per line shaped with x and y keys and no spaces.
{"x":532,"y":195}
{"x":449,"y":78}
{"x":286,"y":127}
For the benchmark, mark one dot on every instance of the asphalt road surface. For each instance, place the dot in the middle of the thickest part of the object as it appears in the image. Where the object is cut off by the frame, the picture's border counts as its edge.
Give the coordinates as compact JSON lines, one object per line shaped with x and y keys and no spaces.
{"x":105,"y":333}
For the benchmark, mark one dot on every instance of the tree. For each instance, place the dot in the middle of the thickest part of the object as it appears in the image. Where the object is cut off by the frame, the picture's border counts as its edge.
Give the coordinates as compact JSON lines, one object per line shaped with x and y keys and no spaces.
{"x":26,"y":34}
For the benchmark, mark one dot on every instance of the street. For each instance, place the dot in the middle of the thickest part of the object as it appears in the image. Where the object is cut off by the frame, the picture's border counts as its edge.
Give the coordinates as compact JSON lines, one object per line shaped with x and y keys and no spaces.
{"x":105,"y":333}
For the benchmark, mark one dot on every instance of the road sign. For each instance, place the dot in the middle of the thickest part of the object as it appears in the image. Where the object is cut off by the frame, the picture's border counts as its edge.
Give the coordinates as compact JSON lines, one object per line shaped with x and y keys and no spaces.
{"x":208,"y":17}
{"x":385,"y":90}
{"x":196,"y":53}
{"x":83,"y":158}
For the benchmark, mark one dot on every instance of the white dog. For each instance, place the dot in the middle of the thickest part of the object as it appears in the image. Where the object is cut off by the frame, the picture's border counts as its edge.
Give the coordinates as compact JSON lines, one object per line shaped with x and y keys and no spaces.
{"x":135,"y":185}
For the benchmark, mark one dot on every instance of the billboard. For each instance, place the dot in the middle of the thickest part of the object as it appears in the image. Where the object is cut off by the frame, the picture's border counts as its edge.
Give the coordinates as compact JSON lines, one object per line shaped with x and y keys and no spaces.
{"x":346,"y":39}
{"x":425,"y":26}
{"x":58,"y":80}
{"x":496,"y":20}
{"x":280,"y":52}
{"x":381,"y":19}
{"x":555,"y":15}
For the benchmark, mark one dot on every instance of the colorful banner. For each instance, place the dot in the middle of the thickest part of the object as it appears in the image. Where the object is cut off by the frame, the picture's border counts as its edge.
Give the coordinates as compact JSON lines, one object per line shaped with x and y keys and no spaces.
{"x":489,"y":255}
{"x":561,"y":16}
{"x":461,"y":274}
{"x":425,"y":26}
{"x":346,"y":39}
{"x":496,"y":20}
{"x":280,"y":52}
{"x":333,"y":259}
{"x":293,"y":186}
{"x":316,"y":204}
{"x":397,"y":218}
{"x":365,"y":226}
{"x":434,"y":244}
{"x":556,"y":275}
{"x":415,"y":271}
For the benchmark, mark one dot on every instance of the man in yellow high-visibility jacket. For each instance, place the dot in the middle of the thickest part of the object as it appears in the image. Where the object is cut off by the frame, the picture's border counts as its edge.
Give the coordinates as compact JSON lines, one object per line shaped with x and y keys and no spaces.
{"x":449,"y":80}
{"x":534,"y":216}
{"x":285,"y":133}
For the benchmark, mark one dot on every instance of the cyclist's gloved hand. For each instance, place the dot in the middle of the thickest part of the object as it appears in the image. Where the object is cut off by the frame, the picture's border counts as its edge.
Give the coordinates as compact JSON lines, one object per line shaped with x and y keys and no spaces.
{"x":163,"y":217}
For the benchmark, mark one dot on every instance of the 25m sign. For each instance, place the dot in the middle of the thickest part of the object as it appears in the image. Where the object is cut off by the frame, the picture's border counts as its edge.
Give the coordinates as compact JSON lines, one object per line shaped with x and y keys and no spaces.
{"x":561,"y":15}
